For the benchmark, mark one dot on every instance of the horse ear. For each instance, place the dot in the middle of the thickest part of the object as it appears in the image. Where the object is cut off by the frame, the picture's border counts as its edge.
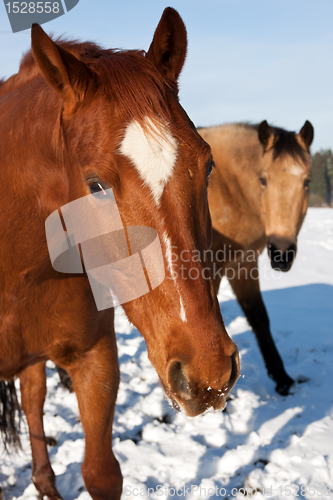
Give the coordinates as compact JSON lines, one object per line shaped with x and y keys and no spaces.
{"x":265,"y":135}
{"x":168,"y":48}
{"x":306,"y":134}
{"x":61,"y":69}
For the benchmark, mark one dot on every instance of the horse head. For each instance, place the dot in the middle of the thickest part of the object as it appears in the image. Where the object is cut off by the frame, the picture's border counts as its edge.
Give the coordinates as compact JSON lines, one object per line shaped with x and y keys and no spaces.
{"x":285,"y":177}
{"x":121,"y":127}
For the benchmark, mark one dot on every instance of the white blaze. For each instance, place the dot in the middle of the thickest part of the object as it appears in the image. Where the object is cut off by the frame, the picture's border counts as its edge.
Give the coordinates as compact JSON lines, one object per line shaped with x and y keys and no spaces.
{"x":167,"y":242}
{"x":153,"y":151}
{"x":182,"y":310}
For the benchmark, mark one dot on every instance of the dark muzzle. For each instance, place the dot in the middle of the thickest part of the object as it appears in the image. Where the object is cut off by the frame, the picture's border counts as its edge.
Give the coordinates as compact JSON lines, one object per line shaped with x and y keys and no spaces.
{"x":281,"y":260}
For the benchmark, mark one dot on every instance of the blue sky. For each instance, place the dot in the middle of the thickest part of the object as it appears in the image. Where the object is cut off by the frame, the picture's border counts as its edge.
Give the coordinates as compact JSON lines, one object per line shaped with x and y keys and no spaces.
{"x":248,"y":60}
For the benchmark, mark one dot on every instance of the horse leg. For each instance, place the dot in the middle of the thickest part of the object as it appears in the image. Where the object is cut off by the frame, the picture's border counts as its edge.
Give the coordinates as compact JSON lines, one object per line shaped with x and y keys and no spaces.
{"x":95,"y":379}
{"x":33,"y":392}
{"x":245,"y":284}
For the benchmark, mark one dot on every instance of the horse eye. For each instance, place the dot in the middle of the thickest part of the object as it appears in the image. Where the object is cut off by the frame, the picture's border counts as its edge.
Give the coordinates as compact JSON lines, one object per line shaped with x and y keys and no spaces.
{"x":96,"y":188}
{"x":263,"y":180}
{"x":210,"y":168}
{"x":307,"y":182}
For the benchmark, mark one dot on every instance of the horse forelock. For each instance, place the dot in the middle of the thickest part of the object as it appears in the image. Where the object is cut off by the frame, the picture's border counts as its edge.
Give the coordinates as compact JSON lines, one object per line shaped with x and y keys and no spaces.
{"x":128,"y":78}
{"x":287,"y":145}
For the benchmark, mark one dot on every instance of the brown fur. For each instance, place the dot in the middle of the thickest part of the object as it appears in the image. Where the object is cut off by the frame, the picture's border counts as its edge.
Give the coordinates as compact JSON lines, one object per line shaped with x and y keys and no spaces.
{"x":63,"y":117}
{"x":258,"y":196}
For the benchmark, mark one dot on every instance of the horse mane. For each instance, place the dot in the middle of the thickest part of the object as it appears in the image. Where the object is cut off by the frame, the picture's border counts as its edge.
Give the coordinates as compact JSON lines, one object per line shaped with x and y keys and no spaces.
{"x":126,"y":77}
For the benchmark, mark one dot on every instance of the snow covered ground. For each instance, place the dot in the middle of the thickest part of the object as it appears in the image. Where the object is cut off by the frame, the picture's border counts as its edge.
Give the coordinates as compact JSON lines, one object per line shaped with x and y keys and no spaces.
{"x":271,"y":446}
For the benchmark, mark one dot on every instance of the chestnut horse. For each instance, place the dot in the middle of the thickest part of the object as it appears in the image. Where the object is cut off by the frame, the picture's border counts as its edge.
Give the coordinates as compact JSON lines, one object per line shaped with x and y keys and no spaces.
{"x":77,"y":119}
{"x":258,"y":196}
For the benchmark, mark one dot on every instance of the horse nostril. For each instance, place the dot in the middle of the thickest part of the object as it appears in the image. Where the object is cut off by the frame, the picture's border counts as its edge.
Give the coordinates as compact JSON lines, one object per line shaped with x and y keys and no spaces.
{"x":235,"y":370}
{"x":290,"y":253}
{"x":178,"y":380}
{"x":274,"y":253}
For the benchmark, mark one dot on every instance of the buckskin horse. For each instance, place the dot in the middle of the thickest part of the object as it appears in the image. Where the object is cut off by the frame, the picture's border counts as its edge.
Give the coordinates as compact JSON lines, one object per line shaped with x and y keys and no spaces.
{"x":77,"y":119}
{"x":258,"y":196}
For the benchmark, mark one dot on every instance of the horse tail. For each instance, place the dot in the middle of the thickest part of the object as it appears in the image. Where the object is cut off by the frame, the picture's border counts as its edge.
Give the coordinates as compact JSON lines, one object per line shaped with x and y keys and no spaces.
{"x":10,"y":415}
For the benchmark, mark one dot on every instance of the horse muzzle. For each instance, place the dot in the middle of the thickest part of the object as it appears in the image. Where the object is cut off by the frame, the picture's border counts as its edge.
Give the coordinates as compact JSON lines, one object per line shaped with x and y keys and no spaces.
{"x":281,"y":255}
{"x":196,"y":396}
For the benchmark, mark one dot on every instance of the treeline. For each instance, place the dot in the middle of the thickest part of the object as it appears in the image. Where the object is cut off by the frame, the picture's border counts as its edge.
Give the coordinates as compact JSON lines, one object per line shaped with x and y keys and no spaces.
{"x":321,"y":187}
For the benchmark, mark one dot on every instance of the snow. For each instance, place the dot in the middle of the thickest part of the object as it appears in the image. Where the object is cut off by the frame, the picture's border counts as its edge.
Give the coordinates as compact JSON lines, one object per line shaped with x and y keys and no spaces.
{"x":265,"y":445}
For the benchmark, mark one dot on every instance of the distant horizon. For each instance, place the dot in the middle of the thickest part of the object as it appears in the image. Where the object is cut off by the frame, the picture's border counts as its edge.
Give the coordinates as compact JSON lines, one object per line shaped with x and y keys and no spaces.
{"x":246,"y":62}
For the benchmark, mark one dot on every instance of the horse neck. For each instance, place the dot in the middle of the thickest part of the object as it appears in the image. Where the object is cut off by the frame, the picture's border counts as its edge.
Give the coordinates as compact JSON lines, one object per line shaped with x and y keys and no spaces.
{"x":239,"y":165}
{"x":234,"y":193}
